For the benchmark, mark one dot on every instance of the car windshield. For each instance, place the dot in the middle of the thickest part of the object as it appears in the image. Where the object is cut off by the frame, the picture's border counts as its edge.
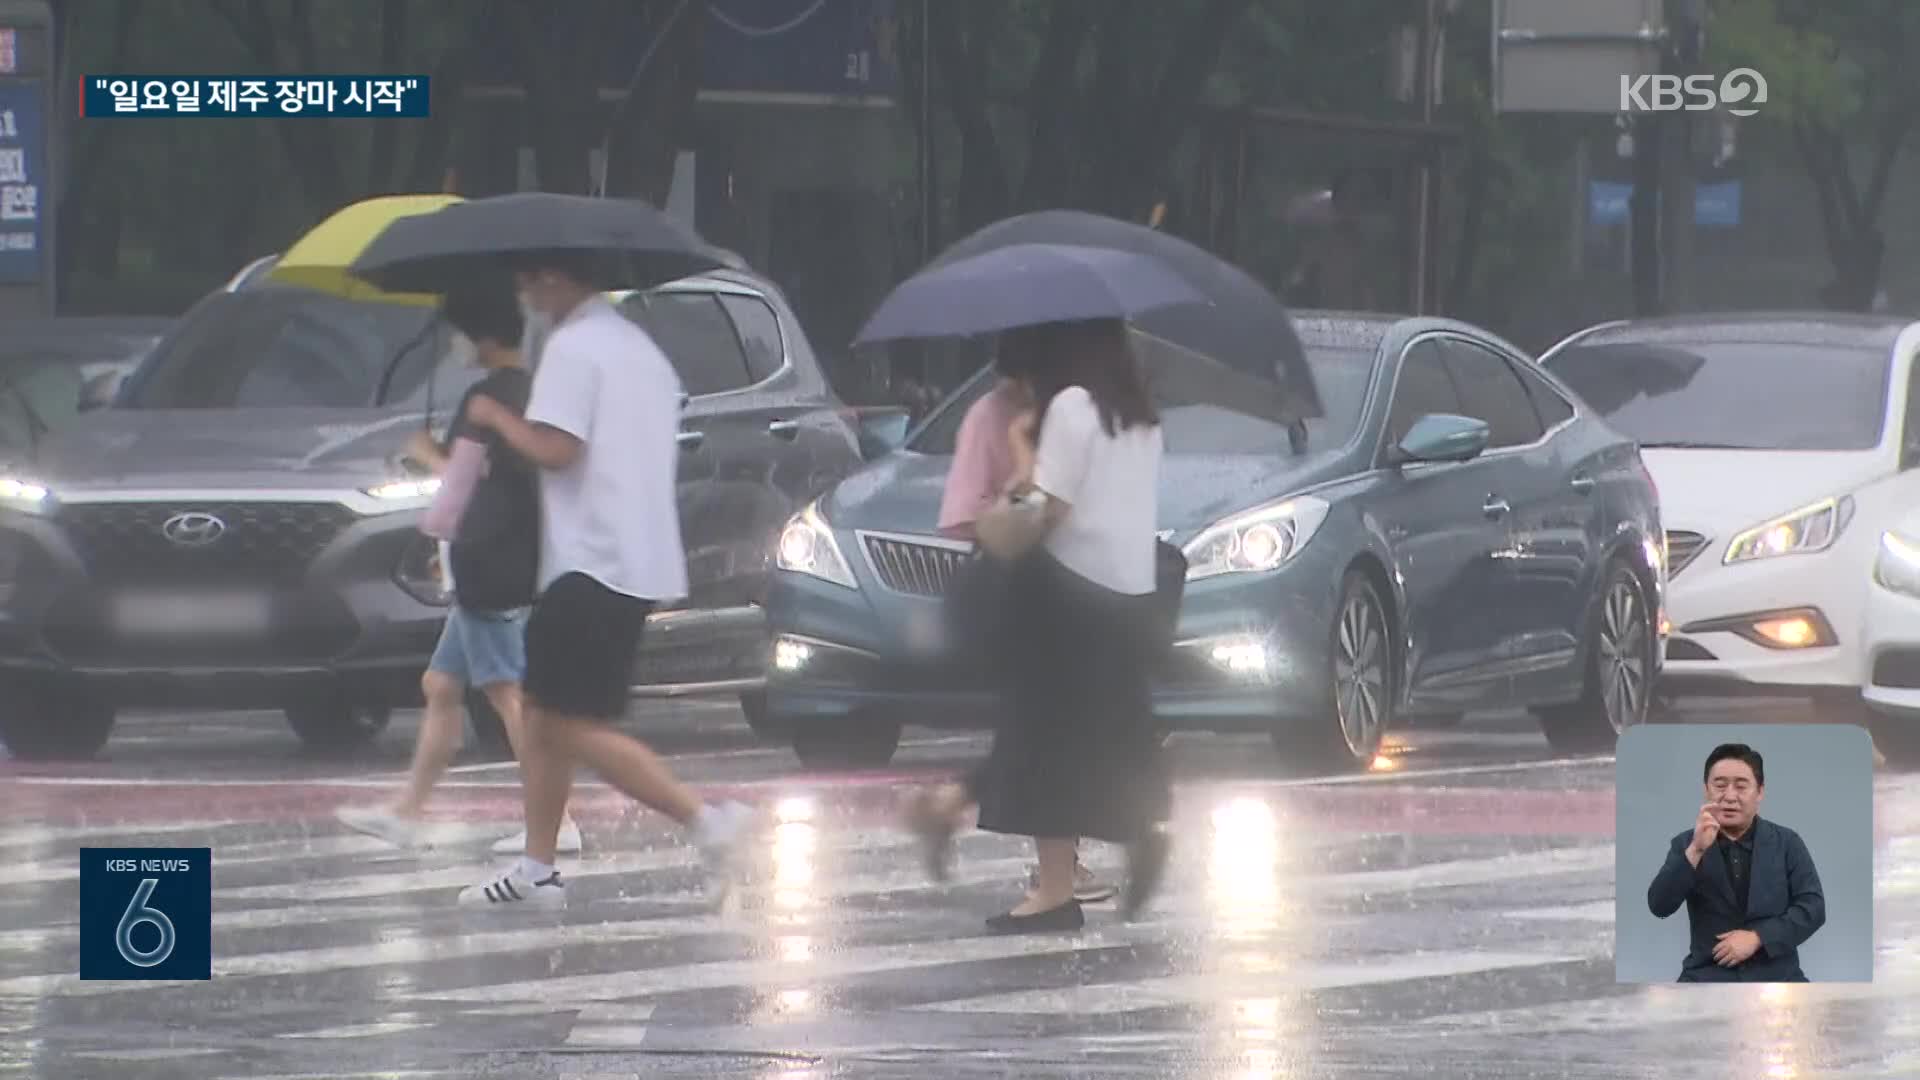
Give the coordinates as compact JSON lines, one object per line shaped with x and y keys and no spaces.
{"x":1342,"y":375}
{"x":1733,"y":395}
{"x":282,"y":347}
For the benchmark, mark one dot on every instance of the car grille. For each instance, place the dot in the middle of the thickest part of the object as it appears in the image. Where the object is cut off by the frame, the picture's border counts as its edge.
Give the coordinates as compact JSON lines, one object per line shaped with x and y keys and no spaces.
{"x":917,"y":569}
{"x":1682,"y":548}
{"x":264,"y":542}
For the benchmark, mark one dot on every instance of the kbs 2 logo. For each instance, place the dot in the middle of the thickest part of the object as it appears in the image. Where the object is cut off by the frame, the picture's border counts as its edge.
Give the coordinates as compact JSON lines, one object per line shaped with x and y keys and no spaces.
{"x":1739,"y":90}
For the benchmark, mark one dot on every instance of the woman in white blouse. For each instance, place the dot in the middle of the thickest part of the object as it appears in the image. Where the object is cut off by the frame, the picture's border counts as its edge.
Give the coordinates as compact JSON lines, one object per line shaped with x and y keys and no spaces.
{"x":1078,"y":754}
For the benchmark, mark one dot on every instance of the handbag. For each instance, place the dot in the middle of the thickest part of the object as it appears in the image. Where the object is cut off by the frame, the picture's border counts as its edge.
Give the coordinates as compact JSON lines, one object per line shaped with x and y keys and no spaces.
{"x":1010,"y":529}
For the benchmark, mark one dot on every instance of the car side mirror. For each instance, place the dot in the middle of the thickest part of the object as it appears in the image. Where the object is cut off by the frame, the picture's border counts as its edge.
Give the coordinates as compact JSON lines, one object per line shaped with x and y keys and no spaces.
{"x":1444,"y":437}
{"x":882,"y":430}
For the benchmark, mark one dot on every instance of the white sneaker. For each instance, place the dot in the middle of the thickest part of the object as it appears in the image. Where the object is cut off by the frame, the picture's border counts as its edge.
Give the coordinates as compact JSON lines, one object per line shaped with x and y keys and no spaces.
{"x":568,"y":844}
{"x":722,"y":837}
{"x":383,"y":824}
{"x":512,"y":889}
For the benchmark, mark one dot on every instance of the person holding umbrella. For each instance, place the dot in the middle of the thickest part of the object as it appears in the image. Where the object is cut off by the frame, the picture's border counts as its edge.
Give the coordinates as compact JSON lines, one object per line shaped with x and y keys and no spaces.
{"x":993,"y":449}
{"x":1081,"y":582}
{"x":601,"y":426}
{"x":492,"y":559}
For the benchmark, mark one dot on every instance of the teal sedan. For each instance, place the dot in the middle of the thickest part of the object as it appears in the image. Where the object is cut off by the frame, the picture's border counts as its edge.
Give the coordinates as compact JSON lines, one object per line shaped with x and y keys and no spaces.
{"x":1457,"y":532}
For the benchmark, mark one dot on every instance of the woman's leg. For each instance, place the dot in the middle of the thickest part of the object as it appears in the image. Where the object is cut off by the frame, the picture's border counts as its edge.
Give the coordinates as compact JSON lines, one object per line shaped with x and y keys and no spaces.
{"x":1055,"y":885}
{"x":442,"y":730}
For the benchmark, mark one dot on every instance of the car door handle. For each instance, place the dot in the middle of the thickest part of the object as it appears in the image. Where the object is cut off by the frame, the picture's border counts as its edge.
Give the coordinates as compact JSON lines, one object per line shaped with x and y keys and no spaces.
{"x":690,"y":440}
{"x":1495,"y":507}
{"x":1581,"y":483}
{"x":784,"y":429}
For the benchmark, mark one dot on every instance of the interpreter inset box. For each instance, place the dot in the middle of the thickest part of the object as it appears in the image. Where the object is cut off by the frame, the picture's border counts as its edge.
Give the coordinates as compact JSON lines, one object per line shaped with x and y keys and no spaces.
{"x":1743,"y":853}
{"x":146,"y":913}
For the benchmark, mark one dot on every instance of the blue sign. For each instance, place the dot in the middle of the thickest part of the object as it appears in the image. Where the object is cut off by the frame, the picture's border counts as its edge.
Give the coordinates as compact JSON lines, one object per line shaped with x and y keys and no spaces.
{"x":23,"y":191}
{"x":1608,"y":202}
{"x":1715,"y":205}
{"x":146,"y":913}
{"x":836,"y":47}
{"x":254,"y":95}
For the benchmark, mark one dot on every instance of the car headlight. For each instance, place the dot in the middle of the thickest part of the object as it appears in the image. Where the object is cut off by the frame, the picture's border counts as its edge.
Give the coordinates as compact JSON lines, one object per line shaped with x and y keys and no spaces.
{"x":1800,"y":532}
{"x":1897,"y":568}
{"x":1255,"y":541}
{"x":406,"y":491}
{"x":807,"y":546}
{"x":21,"y":493}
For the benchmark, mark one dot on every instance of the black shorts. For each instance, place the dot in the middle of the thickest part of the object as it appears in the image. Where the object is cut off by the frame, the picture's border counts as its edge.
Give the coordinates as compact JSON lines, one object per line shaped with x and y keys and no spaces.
{"x":581,"y":642}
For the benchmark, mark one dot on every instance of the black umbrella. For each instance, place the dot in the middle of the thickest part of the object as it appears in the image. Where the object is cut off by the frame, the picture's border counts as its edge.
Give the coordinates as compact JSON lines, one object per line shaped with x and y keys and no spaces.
{"x":1243,"y":327}
{"x":631,"y":245}
{"x":1025,"y":285}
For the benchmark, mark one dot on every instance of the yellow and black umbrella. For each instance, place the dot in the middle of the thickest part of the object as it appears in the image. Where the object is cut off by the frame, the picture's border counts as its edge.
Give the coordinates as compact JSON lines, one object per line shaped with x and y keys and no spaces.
{"x":319,"y":260}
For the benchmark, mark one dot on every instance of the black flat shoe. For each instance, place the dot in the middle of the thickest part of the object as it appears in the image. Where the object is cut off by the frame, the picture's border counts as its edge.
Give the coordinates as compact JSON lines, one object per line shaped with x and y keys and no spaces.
{"x":1051,"y":921}
{"x":1146,"y":868}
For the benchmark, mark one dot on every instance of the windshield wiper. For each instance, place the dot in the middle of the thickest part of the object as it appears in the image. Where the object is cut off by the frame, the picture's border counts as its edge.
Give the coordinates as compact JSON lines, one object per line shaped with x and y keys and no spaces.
{"x":1686,"y":444}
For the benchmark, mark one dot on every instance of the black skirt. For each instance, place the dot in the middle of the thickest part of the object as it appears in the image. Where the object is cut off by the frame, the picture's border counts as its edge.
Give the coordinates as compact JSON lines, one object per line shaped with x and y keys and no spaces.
{"x":1077,"y":751}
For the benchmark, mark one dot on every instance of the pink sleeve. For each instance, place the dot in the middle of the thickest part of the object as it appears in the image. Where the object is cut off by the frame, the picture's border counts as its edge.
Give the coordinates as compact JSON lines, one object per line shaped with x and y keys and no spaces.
{"x":980,"y":466}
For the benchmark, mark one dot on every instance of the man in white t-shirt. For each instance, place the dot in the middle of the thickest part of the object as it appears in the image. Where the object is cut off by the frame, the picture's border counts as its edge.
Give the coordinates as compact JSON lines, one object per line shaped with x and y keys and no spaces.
{"x":602,"y":426}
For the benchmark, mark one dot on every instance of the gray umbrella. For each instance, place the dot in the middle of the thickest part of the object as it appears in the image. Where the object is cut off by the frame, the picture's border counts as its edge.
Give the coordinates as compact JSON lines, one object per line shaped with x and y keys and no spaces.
{"x":1026,"y":285}
{"x":630,"y":244}
{"x":1244,"y":326}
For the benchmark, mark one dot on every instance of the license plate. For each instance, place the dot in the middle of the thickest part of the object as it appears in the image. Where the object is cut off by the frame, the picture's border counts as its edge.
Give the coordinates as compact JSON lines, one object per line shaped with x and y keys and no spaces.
{"x":926,"y":631}
{"x":191,"y":614}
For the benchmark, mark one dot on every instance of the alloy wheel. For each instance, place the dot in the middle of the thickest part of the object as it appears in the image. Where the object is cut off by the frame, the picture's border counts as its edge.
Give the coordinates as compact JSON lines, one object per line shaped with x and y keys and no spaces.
{"x":1623,"y":654}
{"x":1360,"y":673}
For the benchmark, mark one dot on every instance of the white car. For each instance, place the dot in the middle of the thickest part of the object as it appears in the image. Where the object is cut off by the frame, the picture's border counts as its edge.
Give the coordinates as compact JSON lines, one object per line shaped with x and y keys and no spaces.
{"x":1893,"y":641}
{"x":1784,"y":446}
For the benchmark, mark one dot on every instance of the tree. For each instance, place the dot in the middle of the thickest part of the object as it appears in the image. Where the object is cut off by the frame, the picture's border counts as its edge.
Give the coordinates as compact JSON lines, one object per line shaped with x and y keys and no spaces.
{"x":1840,"y":78}
{"x":1105,"y":89}
{"x":299,"y":37}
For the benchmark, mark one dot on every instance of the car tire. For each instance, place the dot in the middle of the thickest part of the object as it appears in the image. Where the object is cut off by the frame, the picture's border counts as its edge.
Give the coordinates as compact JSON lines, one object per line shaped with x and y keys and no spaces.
{"x":490,"y":741}
{"x":49,"y":724}
{"x":334,"y":728}
{"x":857,"y":742}
{"x":1360,"y":655}
{"x":1617,"y":690}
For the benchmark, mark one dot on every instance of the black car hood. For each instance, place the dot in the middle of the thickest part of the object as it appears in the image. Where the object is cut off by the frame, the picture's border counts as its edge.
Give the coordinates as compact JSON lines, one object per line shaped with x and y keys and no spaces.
{"x":901,"y":492}
{"x":305,"y":448}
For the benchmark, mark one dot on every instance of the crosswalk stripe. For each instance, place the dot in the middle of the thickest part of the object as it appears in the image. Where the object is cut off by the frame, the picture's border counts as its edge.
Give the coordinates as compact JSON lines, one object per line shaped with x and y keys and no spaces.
{"x":606,"y":1026}
{"x":1139,"y":994}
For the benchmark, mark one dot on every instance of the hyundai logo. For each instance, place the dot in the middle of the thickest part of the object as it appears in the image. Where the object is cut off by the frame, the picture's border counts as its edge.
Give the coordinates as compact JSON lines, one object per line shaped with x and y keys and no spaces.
{"x":193,"y":529}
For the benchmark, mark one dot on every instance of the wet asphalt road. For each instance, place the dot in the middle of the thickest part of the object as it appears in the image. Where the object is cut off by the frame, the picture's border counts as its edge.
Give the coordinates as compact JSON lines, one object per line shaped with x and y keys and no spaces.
{"x":1450,"y":916}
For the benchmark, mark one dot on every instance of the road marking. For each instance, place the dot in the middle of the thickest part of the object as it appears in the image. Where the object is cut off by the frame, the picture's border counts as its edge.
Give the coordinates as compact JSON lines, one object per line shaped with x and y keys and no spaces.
{"x":156,"y":1053}
{"x":608,"y":1026}
{"x":1243,"y":989}
{"x":1602,"y":911}
{"x":358,"y":1031}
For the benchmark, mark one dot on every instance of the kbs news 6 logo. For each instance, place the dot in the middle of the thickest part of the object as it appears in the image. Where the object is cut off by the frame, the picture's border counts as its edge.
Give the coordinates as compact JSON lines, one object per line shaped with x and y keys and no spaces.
{"x":146,"y":913}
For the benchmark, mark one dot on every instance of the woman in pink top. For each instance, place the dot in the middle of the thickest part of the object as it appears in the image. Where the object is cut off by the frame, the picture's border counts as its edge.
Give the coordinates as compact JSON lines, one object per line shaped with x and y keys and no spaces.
{"x":992,"y":454}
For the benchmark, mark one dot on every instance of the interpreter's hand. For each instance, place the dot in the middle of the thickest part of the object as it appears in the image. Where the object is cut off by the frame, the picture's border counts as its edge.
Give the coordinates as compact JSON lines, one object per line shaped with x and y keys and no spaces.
{"x":484,"y":412}
{"x":1705,"y":830}
{"x":1736,"y":947}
